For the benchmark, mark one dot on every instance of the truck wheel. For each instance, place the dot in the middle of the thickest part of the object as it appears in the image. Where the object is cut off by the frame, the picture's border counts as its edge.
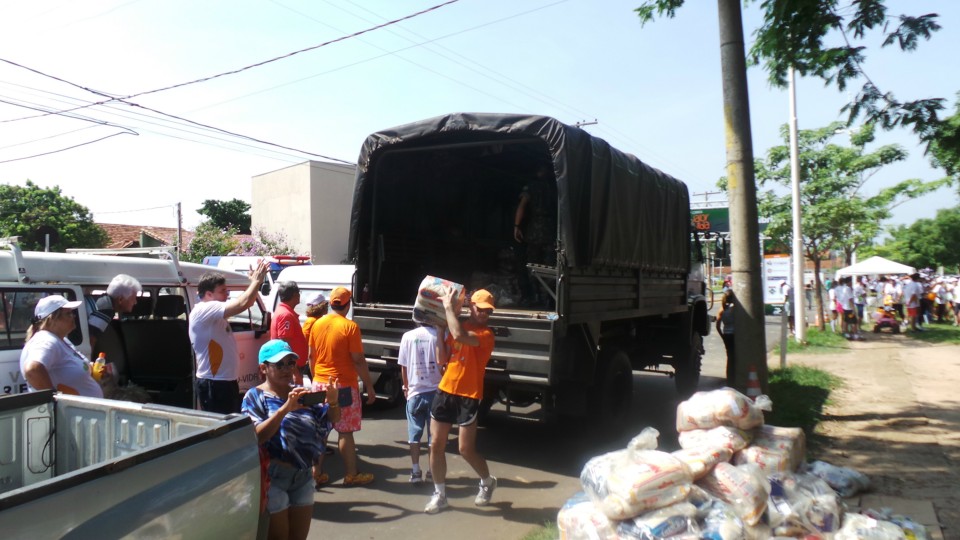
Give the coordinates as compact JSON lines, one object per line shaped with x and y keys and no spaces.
{"x":616,"y":391}
{"x":687,"y":374}
{"x":389,"y":386}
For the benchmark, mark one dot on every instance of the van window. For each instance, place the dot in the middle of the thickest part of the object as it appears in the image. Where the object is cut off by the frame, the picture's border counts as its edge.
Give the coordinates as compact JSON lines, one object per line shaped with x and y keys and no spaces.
{"x":17,"y":312}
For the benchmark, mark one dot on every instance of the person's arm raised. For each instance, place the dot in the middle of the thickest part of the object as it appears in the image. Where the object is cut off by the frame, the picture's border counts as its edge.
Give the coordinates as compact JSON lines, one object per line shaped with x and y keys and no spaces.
{"x":249,"y":296}
{"x":453,"y":321}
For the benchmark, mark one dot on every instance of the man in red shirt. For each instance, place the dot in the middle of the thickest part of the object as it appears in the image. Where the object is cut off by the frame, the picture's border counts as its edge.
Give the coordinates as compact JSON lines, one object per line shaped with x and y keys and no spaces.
{"x":286,"y":324}
{"x":464,"y":355}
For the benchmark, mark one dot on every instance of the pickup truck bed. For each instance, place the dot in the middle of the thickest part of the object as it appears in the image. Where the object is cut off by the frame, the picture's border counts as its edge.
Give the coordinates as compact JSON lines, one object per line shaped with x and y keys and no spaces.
{"x":74,"y":467}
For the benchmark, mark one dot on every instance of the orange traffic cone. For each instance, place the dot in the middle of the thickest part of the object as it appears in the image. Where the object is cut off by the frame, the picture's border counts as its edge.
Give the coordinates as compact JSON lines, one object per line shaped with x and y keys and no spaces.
{"x":753,"y":383}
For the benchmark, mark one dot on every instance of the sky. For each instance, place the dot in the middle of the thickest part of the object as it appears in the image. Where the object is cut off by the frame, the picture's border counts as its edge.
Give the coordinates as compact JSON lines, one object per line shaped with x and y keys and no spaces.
{"x":653,"y":91}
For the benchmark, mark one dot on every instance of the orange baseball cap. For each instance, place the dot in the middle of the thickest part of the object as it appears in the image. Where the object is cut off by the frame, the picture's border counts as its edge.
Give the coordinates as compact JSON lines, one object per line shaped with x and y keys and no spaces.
{"x":340,"y":296}
{"x":482,"y":299}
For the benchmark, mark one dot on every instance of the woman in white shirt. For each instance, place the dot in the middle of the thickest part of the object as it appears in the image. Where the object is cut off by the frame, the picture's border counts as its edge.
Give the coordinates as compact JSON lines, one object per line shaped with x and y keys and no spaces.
{"x":50,"y":362}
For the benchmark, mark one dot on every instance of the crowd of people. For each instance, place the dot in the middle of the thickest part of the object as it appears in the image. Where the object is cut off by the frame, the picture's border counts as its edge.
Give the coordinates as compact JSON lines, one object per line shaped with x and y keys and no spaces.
{"x":310,"y":382}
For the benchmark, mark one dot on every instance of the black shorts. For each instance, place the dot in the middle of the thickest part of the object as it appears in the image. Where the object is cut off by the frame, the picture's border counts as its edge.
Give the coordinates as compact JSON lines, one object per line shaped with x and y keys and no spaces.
{"x":451,"y":409}
{"x":850,"y":315}
{"x":219,"y":396}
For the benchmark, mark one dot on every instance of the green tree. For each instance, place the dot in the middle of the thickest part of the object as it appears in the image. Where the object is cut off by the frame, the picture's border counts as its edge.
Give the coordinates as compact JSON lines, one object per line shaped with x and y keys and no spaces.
{"x":945,"y":149}
{"x":837,"y":214}
{"x":31,"y":212}
{"x":227,"y":214}
{"x":208,"y":239}
{"x":265,"y":243}
{"x":927,"y":242}
{"x":826,"y":39}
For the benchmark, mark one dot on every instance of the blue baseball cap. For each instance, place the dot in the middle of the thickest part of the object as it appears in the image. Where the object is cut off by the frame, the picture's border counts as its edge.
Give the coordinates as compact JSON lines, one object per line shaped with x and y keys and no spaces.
{"x":276,"y":350}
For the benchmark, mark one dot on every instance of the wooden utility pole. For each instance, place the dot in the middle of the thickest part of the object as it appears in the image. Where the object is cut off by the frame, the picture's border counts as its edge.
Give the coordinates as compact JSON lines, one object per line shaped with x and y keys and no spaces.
{"x":749,"y":338}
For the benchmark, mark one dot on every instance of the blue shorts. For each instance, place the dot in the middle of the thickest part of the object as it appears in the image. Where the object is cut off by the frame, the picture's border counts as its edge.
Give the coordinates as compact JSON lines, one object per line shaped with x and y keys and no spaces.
{"x":418,"y":416}
{"x":289,"y":486}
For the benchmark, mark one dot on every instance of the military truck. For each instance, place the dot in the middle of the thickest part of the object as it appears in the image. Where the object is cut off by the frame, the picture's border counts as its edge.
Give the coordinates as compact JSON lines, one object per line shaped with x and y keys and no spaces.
{"x":603,"y":279}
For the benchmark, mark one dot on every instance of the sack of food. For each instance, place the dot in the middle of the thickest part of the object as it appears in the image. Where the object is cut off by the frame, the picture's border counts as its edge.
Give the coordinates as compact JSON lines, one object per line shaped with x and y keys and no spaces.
{"x":745,"y":488}
{"x":701,"y":460}
{"x":719,"y":437}
{"x":861,"y":527}
{"x":580,"y":519}
{"x":788,"y":440}
{"x":845,"y":481}
{"x":722,"y":407}
{"x":428,"y":307}
{"x":676,"y":520}
{"x":627,"y":483}
{"x":802,"y":505}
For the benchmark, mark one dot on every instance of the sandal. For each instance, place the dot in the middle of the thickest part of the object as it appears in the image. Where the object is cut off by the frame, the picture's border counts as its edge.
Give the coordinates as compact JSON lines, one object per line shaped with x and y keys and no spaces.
{"x":359,"y":479}
{"x":321,"y":479}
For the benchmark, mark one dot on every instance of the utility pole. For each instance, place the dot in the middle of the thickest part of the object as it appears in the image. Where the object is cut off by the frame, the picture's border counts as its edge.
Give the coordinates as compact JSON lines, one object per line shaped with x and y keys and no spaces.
{"x":751,"y":348}
{"x":179,"y":231}
{"x":799,"y":300}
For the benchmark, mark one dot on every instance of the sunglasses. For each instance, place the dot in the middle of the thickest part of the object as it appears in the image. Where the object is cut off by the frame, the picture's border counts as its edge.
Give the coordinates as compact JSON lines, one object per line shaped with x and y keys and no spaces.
{"x":288,"y":364}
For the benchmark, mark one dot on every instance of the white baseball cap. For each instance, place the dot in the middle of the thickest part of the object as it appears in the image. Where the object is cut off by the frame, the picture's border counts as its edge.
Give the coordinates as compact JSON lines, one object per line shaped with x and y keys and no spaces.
{"x":48,"y":304}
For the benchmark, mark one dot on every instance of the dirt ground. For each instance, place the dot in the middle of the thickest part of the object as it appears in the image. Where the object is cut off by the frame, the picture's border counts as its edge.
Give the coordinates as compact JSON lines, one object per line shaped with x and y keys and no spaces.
{"x":896,"y":419}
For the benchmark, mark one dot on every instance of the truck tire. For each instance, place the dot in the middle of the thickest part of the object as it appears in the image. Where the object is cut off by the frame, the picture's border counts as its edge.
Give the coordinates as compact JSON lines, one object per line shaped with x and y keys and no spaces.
{"x":687,"y":373}
{"x":389,"y":387}
{"x":615,"y":395}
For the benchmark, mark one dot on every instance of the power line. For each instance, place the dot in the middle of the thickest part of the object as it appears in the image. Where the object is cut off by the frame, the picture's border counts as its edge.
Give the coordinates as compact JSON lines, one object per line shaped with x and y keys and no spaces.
{"x":70,"y":147}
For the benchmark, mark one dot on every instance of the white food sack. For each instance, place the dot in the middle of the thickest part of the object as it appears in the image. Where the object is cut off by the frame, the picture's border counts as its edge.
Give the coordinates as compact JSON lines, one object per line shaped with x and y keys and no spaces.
{"x":722,"y":407}
{"x":580,"y":519}
{"x":745,"y":488}
{"x":627,"y":483}
{"x":701,"y":460}
{"x":669,"y":522}
{"x":718,"y":437}
{"x":428,"y":308}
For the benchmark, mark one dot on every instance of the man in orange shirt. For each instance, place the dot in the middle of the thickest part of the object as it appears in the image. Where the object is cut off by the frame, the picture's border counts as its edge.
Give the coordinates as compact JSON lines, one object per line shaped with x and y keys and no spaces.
{"x":464,"y":355}
{"x":338,"y":361}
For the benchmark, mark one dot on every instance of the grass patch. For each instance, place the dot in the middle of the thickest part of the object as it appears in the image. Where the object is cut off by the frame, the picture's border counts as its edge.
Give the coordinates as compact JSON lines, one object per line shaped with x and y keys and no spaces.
{"x":818,"y":342}
{"x":799,"y":394}
{"x":547,"y":531}
{"x":937,"y":333}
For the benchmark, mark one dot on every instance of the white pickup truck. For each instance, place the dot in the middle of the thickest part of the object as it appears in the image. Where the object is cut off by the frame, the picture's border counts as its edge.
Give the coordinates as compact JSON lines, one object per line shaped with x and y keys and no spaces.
{"x":75,"y":467}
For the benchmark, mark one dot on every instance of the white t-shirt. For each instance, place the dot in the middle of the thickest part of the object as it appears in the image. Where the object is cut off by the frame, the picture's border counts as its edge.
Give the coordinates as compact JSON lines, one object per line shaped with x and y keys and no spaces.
{"x":68,"y":369}
{"x":911,"y":294}
{"x":213,"y":342}
{"x":845,"y":297}
{"x":418,"y":354}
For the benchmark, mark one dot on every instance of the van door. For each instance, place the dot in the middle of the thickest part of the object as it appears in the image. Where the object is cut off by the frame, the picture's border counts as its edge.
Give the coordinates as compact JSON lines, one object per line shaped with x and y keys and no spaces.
{"x":251,"y":329}
{"x":16,"y":311}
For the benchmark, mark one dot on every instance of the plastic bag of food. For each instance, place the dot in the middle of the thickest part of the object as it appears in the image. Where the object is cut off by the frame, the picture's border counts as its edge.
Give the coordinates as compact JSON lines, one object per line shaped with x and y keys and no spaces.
{"x":745,"y":488}
{"x":720,"y":521}
{"x":911,"y":529}
{"x":845,"y":481}
{"x":722,"y":407}
{"x":627,"y":483}
{"x":428,"y":308}
{"x":718,"y":437}
{"x":861,"y":527}
{"x":702,"y":459}
{"x":669,"y":522}
{"x":775,"y":449}
{"x":580,"y":519}
{"x":802,"y":504}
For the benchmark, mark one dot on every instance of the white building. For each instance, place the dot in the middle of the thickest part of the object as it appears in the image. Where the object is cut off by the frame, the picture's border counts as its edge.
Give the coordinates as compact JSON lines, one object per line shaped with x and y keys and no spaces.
{"x":309,"y":203}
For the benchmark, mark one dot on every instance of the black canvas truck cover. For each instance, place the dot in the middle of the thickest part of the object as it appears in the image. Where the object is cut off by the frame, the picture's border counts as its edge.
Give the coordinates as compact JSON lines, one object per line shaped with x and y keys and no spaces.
{"x":614,"y":210}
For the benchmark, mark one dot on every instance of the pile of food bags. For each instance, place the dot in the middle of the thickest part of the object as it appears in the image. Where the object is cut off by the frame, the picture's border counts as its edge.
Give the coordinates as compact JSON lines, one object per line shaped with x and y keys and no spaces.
{"x":734,"y":478}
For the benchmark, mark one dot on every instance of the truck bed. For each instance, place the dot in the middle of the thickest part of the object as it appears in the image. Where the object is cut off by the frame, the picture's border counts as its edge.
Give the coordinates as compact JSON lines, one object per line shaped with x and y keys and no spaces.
{"x":86,"y":468}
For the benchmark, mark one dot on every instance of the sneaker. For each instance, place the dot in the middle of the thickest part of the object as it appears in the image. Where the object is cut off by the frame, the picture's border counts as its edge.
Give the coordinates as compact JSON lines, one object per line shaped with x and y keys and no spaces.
{"x":359,"y":479}
{"x":416,"y":477}
{"x":437,"y":503}
{"x":429,"y":476}
{"x":485,"y":493}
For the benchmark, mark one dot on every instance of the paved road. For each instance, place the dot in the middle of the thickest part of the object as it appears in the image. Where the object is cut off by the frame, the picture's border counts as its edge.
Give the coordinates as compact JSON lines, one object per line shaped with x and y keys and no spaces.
{"x":538,"y":468}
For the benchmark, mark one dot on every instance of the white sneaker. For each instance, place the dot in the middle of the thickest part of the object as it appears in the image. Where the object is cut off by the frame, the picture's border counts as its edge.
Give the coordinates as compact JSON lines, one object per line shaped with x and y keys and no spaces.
{"x":485,"y":493}
{"x":437,"y":503}
{"x":416,"y":477}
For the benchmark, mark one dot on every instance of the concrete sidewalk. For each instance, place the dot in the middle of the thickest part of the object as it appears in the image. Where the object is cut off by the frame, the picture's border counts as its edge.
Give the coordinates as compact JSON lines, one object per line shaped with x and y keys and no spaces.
{"x":896,"y":419}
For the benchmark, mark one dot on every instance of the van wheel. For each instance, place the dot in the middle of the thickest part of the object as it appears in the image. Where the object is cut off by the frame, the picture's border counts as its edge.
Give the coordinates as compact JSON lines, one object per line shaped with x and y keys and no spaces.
{"x":616,"y":391}
{"x":687,"y":373}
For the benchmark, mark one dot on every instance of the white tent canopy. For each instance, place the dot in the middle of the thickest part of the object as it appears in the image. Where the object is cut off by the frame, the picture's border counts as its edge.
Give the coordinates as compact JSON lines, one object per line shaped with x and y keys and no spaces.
{"x":875,"y":266}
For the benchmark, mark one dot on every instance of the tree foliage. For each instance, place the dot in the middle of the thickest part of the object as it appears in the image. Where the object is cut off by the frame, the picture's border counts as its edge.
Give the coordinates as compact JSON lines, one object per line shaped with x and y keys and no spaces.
{"x":209,"y":239}
{"x":232,"y":214}
{"x":265,"y":243}
{"x":825,"y":38}
{"x":927,"y":242}
{"x":31,"y":212}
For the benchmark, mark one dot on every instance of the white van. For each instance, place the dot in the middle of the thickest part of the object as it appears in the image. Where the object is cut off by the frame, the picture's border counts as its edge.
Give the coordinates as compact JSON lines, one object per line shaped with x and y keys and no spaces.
{"x":152,"y":348}
{"x":243,"y":264}
{"x":323,"y":278}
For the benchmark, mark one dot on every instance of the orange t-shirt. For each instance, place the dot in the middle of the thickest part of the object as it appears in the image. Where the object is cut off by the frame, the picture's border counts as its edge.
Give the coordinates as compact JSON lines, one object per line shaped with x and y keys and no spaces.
{"x":333,"y":338}
{"x":467,"y":365}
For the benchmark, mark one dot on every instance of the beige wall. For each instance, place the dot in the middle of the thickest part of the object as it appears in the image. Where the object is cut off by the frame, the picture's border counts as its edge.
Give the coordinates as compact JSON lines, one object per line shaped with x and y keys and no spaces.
{"x":310,"y":204}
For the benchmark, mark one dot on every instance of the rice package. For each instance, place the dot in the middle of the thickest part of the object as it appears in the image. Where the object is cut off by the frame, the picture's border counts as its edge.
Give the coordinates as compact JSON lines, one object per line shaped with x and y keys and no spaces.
{"x":580,"y":519}
{"x":701,"y":459}
{"x":627,"y":483}
{"x":745,"y":488}
{"x":428,"y":307}
{"x":801,"y":505}
{"x":722,"y":407}
{"x":676,"y":520}
{"x":775,"y":449}
{"x":719,"y":437}
{"x":845,"y":481}
{"x":861,"y":527}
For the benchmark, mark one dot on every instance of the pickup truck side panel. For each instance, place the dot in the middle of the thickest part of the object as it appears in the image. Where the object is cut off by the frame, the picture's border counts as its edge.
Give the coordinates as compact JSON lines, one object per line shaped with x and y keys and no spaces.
{"x":73,"y":467}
